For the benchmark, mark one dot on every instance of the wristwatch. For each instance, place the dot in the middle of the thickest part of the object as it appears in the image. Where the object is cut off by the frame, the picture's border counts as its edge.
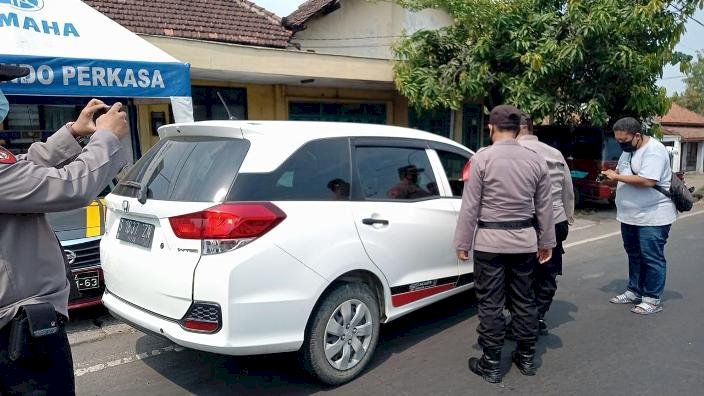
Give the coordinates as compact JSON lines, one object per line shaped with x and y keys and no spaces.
{"x":82,"y":140}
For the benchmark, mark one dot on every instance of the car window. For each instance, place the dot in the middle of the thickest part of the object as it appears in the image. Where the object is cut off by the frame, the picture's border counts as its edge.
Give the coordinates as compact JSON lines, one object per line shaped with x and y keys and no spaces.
{"x":394,"y":173}
{"x":188,"y":169}
{"x":453,"y":164}
{"x":318,"y":171}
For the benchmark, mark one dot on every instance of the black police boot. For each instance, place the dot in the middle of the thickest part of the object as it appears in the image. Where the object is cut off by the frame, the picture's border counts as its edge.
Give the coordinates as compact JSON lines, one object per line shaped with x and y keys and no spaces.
{"x":523,"y":357}
{"x":542,"y":327}
{"x":488,"y":366}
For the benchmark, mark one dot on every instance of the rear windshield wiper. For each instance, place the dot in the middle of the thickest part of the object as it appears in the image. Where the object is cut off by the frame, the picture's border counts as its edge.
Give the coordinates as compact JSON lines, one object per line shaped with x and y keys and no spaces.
{"x":141,"y":189}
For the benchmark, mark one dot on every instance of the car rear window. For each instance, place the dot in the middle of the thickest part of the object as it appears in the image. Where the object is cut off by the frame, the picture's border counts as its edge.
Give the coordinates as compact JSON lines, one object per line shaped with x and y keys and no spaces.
{"x":319,"y":171}
{"x":190,"y":169}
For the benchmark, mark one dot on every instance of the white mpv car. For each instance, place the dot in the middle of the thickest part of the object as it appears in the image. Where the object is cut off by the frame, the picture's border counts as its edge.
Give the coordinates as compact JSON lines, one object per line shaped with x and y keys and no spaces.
{"x":245,"y":238}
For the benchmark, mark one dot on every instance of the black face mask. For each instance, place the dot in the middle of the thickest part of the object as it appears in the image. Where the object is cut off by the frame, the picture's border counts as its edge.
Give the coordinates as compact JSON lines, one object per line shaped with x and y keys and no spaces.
{"x":628,"y":146}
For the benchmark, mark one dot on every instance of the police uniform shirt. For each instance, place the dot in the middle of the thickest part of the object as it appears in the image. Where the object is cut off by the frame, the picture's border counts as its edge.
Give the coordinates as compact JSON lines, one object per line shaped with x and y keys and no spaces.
{"x":54,"y":176}
{"x":560,"y":177}
{"x":504,"y":181}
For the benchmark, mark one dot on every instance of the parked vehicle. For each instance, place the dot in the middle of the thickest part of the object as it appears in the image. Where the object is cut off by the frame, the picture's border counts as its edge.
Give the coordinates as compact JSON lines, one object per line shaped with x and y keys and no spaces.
{"x":246,"y":238}
{"x":79,"y":232}
{"x":588,"y":151}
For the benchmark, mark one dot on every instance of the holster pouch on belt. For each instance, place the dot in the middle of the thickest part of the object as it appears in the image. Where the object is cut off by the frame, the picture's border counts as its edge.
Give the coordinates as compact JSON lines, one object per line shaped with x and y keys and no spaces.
{"x":31,"y":323}
{"x":507,"y":225}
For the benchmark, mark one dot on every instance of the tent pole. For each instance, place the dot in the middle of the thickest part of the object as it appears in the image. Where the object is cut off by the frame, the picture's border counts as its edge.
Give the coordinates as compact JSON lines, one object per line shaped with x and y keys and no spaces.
{"x":136,"y":146}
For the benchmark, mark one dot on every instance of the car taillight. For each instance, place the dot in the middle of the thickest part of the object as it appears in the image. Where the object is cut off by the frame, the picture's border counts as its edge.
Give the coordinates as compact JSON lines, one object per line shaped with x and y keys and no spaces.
{"x":228,"y":226}
{"x":466,"y":170}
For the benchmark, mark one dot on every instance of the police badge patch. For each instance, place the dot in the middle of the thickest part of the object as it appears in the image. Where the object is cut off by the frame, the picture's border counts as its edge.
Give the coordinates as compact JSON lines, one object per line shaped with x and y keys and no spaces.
{"x":6,"y":157}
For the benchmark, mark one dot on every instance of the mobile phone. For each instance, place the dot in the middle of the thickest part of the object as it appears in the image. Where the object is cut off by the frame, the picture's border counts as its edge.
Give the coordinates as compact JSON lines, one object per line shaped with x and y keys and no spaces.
{"x":600,"y":177}
{"x":100,"y":112}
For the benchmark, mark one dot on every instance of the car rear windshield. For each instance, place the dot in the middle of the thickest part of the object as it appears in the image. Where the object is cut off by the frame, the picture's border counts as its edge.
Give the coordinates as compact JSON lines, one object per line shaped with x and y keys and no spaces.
{"x":189,"y":169}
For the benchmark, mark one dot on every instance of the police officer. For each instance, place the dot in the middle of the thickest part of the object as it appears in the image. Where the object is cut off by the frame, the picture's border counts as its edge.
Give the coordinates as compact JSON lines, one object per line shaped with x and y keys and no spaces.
{"x":562,"y":192}
{"x":506,"y":182}
{"x":58,"y":175}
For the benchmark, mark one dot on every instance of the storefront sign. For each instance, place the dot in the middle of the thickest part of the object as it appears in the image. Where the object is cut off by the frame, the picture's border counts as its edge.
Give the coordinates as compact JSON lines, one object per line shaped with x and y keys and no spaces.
{"x":86,"y":77}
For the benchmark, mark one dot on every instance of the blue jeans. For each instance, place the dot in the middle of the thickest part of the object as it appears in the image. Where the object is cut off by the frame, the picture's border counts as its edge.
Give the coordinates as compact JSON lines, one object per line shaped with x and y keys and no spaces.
{"x":647,"y":267}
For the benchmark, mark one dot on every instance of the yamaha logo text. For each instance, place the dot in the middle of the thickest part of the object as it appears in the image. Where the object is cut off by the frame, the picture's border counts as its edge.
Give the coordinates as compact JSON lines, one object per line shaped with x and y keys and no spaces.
{"x":25,"y":5}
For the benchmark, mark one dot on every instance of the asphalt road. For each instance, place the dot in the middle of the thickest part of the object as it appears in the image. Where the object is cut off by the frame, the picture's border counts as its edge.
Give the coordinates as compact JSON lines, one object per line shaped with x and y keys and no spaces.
{"x":593,"y":347}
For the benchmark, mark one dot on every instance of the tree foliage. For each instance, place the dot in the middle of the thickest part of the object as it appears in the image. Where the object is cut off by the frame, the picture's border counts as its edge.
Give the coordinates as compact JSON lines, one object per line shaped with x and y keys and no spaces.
{"x":575,"y":61}
{"x":693,"y":96}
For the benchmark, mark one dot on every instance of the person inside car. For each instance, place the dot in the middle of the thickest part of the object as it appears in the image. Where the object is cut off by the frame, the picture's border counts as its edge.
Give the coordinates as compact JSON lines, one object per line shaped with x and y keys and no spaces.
{"x":408,"y":187}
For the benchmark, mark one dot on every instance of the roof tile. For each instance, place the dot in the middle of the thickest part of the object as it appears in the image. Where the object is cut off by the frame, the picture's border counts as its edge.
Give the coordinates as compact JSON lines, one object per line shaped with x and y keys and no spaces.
{"x":298,"y":19}
{"x":679,"y":115}
{"x":231,"y":21}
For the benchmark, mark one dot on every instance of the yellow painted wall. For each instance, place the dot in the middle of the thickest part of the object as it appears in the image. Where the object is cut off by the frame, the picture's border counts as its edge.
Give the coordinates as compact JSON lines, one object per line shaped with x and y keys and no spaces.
{"x":270,"y":102}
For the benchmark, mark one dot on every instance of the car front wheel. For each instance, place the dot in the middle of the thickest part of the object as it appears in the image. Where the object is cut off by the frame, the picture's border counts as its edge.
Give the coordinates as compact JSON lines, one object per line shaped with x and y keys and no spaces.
{"x":342,"y":335}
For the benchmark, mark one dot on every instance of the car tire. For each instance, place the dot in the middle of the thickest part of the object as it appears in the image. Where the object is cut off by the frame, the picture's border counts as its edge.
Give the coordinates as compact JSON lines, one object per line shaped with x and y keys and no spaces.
{"x":346,"y":323}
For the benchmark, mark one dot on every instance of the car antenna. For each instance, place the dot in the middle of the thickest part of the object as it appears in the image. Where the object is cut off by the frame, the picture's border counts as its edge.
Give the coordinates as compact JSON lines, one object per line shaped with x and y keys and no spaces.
{"x":227,"y":109}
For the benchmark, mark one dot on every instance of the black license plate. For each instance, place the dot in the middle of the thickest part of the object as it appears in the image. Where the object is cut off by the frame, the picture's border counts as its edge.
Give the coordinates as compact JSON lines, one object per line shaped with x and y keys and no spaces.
{"x":87,"y":280}
{"x":136,"y":232}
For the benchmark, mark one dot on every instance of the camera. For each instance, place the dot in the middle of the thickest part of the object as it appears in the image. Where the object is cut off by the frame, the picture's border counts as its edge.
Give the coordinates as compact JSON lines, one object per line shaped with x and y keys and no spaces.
{"x":100,"y":112}
{"x":600,"y":177}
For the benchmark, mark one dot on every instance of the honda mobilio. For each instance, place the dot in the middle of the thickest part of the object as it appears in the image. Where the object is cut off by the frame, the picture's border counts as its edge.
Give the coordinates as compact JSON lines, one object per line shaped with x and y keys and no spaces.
{"x":244,"y":238}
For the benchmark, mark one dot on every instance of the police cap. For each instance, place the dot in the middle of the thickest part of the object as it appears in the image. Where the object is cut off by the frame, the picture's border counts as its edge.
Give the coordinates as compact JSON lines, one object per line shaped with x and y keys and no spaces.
{"x":505,"y":117}
{"x":8,"y":72}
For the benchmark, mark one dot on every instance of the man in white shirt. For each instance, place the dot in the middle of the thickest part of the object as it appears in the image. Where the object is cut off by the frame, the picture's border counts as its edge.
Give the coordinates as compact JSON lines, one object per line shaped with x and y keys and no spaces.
{"x":645,"y":214}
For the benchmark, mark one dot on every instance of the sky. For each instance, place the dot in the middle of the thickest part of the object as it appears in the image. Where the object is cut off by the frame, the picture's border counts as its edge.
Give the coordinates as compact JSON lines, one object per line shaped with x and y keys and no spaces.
{"x":691,"y":41}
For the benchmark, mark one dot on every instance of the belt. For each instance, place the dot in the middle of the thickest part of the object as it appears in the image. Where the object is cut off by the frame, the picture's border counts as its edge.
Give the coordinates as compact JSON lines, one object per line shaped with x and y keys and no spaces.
{"x":507,"y":225}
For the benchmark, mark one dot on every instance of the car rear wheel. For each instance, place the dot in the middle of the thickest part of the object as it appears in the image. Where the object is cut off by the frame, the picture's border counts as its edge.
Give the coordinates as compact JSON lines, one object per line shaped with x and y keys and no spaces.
{"x":342,"y":335}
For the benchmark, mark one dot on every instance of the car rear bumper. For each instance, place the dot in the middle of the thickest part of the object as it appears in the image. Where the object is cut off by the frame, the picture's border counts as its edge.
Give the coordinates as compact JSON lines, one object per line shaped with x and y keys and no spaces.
{"x":220,"y":342}
{"x":596,"y":191}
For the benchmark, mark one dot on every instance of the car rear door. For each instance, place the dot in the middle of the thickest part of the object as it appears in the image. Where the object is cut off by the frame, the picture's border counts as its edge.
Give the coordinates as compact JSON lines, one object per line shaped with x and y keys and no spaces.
{"x":453,"y":161}
{"x":143,"y":260}
{"x":405,"y":225}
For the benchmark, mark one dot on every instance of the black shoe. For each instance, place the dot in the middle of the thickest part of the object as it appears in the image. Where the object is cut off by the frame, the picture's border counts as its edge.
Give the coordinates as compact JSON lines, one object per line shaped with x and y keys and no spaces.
{"x":488,"y":366}
{"x":542,"y":327}
{"x":523,"y":357}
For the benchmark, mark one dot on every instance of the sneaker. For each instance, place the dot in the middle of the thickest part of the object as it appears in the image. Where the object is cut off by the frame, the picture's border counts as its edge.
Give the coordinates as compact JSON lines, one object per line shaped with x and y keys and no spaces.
{"x":628,"y":297}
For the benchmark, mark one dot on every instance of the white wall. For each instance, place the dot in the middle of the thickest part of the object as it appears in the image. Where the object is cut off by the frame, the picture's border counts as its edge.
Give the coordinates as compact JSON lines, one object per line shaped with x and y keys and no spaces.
{"x":700,"y":158}
{"x":366,"y":29}
{"x":674,"y":142}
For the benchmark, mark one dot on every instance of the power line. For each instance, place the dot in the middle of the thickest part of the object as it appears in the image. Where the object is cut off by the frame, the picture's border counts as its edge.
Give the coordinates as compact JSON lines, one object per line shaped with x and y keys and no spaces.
{"x":343,"y":46}
{"x":689,"y":17}
{"x":346,"y":38}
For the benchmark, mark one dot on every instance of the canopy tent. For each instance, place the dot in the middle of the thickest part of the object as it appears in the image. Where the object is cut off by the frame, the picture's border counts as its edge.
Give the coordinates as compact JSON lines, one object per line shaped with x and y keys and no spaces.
{"x":74,"y":50}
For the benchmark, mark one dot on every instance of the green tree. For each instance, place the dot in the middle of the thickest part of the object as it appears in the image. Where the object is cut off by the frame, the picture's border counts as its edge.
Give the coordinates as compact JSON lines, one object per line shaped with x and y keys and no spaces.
{"x":693,"y":95}
{"x":575,"y":61}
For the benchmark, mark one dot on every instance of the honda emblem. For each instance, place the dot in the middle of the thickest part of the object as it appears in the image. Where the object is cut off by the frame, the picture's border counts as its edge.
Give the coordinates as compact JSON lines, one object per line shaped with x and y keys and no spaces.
{"x":126,"y":206}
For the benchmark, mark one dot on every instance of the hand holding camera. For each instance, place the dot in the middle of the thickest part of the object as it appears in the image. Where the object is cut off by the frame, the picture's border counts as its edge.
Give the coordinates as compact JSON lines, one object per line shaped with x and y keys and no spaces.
{"x":97,"y":115}
{"x":85,"y":124}
{"x":114,"y":120}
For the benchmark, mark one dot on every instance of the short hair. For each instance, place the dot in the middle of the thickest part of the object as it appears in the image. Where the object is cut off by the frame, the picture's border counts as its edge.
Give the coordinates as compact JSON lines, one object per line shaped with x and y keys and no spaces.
{"x":527,"y":121}
{"x":629,"y":125}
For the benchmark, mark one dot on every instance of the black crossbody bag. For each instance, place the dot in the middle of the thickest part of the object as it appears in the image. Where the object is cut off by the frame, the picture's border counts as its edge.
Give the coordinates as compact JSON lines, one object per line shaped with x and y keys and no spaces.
{"x":678,"y":192}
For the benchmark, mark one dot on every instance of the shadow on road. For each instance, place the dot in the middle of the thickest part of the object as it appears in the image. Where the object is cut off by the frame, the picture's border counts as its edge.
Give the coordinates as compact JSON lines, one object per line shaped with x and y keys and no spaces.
{"x":204,"y":373}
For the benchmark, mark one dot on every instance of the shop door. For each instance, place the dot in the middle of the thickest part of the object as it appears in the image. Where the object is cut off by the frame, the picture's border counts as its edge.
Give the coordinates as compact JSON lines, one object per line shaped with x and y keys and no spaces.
{"x":691,"y":159}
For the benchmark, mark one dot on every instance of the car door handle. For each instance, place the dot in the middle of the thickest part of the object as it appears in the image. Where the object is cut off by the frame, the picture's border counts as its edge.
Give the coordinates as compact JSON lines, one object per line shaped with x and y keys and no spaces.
{"x":375,"y":221}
